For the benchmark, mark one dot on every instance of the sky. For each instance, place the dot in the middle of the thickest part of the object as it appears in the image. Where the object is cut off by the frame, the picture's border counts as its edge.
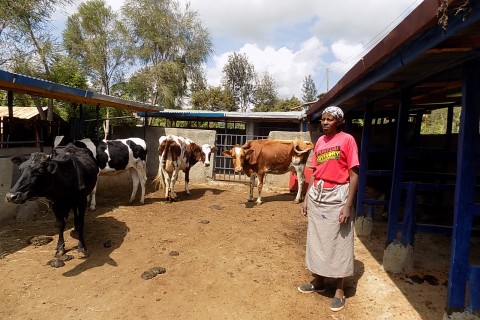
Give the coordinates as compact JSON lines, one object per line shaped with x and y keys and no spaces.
{"x":290,"y":39}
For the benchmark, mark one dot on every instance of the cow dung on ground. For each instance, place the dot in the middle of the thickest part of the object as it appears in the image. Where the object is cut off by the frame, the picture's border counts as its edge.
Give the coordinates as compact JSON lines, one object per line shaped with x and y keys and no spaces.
{"x":245,"y":264}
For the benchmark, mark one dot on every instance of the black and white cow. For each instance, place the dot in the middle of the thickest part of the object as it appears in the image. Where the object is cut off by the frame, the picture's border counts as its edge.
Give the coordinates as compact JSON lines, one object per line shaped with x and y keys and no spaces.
{"x":65,"y":179}
{"x":116,"y":156}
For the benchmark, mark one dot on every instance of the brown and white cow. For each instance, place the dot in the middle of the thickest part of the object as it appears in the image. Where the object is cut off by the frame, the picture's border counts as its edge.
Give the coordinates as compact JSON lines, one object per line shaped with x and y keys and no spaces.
{"x":178,"y":153}
{"x":259,"y":157}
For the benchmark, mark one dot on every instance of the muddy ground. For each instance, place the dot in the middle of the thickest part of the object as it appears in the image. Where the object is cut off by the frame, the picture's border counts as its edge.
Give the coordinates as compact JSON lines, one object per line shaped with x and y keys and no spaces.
{"x":224,"y":258}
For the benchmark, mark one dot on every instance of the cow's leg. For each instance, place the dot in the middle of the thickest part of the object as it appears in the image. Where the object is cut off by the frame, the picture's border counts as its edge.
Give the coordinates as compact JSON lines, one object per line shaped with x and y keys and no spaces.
{"x":79,"y":223}
{"x":92,"y":199}
{"x":252,"y":185}
{"x":60,"y":218}
{"x":187,"y":179}
{"x":142,"y":176}
{"x":135,"y":181}
{"x":261,"y":176}
{"x":301,"y":183}
{"x":166,"y":181}
{"x":172,"y":183}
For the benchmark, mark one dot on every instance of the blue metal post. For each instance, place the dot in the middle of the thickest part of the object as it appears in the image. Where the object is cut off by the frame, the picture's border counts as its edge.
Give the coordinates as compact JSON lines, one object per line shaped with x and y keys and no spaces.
{"x":362,"y":172}
{"x":408,"y":227}
{"x":474,"y":289}
{"x":464,"y":207}
{"x":398,"y":162}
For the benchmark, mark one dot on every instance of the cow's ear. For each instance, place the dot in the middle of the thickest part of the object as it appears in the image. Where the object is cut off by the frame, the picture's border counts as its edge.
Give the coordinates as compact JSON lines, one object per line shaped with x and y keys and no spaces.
{"x":227,"y":153}
{"x":18,"y":160}
{"x":214,"y":149}
{"x":52,"y":167}
{"x":250,"y":156}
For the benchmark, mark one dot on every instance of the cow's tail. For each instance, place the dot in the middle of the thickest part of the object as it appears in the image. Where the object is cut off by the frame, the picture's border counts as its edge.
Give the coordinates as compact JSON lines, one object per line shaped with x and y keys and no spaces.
{"x":162,"y":159}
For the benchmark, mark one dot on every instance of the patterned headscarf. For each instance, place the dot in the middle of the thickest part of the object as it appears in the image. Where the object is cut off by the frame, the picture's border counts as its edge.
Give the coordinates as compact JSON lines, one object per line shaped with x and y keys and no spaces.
{"x":334,"y":111}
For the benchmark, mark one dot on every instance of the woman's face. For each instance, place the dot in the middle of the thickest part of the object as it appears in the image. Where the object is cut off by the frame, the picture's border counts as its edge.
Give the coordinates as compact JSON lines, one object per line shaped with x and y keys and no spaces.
{"x":329,"y":124}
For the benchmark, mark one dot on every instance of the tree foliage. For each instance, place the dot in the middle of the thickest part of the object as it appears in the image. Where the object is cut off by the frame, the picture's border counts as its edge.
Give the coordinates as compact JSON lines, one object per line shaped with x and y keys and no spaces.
{"x":96,"y":38}
{"x":309,"y":91}
{"x":25,"y":31}
{"x":239,"y":77}
{"x":213,"y":99}
{"x":285,"y":105}
{"x":265,"y":93}
{"x":171,"y":44}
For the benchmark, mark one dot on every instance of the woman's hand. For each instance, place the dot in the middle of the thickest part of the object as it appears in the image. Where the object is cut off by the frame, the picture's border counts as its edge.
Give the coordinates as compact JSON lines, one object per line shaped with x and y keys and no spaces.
{"x":344,"y":215}
{"x":303,"y":210}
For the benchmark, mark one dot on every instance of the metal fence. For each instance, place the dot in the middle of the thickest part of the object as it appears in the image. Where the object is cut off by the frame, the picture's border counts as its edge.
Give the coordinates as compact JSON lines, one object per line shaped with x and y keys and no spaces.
{"x":223,"y":165}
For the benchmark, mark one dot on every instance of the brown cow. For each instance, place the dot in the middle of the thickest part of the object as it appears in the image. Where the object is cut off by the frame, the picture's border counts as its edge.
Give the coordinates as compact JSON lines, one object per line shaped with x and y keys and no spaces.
{"x":259,"y":157}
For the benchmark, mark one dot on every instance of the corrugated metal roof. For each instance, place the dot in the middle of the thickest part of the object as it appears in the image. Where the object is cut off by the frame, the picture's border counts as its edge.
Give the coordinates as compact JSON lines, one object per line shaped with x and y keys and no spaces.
{"x":222,"y":115}
{"x":38,"y":87}
{"x":20,"y":112}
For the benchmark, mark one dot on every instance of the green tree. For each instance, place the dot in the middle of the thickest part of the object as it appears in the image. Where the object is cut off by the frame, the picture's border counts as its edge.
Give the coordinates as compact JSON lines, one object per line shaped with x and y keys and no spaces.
{"x":309,"y":91}
{"x":171,"y":45}
{"x":265,"y":93}
{"x":26,"y":44}
{"x":97,"y":38}
{"x":239,"y":77}
{"x":285,"y":105}
{"x":24,"y":28}
{"x":213,"y":99}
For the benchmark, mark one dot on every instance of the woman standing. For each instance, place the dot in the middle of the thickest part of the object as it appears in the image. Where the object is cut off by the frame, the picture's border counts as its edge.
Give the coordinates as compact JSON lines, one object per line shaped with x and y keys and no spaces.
{"x":328,"y":205}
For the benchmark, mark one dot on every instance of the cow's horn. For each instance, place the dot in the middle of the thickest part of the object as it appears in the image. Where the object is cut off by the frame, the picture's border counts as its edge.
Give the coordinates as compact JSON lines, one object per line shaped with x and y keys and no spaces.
{"x":295,"y":147}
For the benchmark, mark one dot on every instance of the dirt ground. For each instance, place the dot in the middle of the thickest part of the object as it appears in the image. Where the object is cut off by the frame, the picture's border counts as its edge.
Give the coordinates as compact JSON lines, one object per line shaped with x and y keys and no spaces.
{"x":224,"y":258}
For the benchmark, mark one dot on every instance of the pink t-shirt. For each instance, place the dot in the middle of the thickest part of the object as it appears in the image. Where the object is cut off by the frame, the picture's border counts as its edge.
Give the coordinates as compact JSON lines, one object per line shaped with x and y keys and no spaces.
{"x":333,"y":157}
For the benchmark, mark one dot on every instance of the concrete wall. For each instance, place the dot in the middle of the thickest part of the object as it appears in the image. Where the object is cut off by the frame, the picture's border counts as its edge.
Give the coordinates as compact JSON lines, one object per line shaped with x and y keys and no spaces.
{"x":9,"y":174}
{"x":198,"y":173}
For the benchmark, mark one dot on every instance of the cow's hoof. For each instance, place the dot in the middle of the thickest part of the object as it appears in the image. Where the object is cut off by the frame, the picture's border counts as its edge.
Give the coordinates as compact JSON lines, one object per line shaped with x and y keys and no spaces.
{"x":296,"y":201}
{"x":259,"y":203}
{"x":56,"y":263}
{"x":59,"y":253}
{"x":91,"y":209}
{"x":82,"y":254}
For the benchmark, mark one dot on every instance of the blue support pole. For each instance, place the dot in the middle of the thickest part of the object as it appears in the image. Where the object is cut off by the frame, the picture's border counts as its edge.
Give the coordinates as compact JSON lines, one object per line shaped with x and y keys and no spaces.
{"x":398,"y":162}
{"x":474,"y":289}
{"x":408,"y":227}
{"x":464,"y":207}
{"x":362,"y":172}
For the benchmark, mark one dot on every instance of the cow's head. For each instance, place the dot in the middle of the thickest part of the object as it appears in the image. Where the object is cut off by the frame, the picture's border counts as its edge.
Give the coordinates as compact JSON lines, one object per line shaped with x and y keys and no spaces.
{"x":195,"y":152}
{"x":207,"y":151}
{"x":237,"y":154}
{"x":36,"y":172}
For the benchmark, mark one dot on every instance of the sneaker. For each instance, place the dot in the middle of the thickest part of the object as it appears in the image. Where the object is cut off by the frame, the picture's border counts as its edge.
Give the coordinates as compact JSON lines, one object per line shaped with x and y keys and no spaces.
{"x":310,"y":288}
{"x":337,"y":303}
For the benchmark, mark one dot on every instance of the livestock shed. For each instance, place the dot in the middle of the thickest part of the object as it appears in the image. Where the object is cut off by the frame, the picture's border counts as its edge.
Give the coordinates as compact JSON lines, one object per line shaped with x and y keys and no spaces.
{"x":430,"y":61}
{"x":26,"y":126}
{"x":249,"y":123}
{"x":13,"y":82}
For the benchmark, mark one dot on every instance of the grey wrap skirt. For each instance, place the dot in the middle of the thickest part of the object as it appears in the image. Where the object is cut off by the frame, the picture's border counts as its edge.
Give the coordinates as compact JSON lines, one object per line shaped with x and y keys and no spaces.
{"x":329,"y":251}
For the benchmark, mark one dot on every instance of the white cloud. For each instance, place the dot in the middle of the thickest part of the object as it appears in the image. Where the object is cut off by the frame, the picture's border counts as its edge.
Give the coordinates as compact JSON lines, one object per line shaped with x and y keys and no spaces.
{"x":292,"y":39}
{"x":346,"y":55}
{"x":276,"y":36}
{"x":288,"y":68}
